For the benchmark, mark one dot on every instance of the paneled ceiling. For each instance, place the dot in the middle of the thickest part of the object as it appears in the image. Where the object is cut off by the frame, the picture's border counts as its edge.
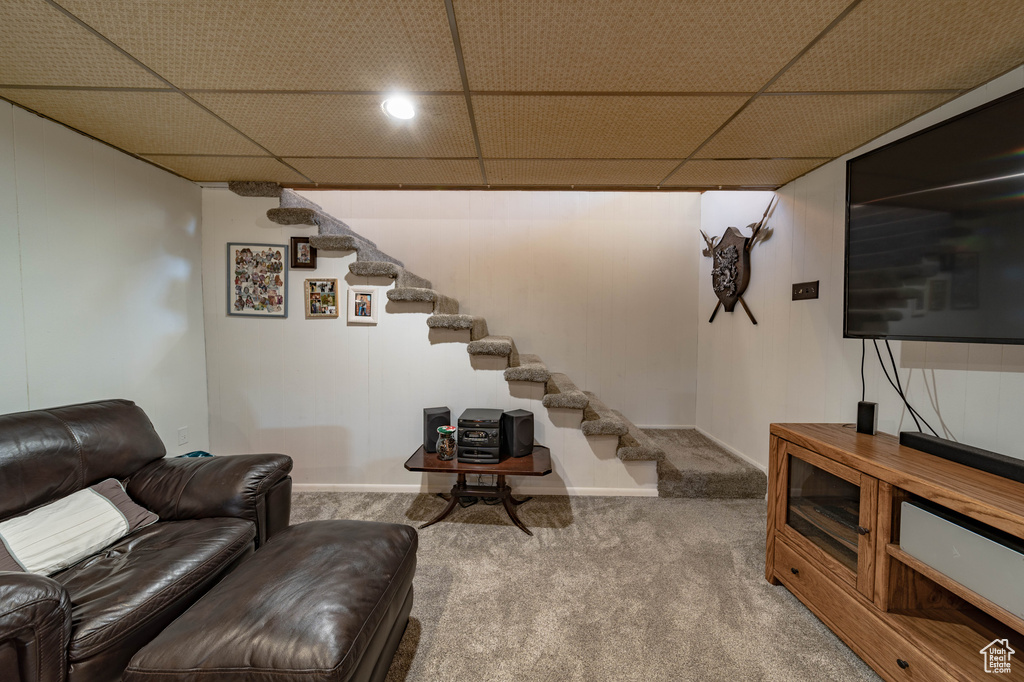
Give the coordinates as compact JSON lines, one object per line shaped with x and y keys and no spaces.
{"x":627,"y":94}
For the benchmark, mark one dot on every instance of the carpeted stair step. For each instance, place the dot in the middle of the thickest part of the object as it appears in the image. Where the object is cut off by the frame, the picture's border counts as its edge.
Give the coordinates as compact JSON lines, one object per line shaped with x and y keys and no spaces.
{"x":600,"y":420}
{"x":292,"y":216}
{"x":346,"y":242}
{"x":255,"y":189}
{"x":695,"y":466}
{"x":477,"y":326}
{"x":501,"y":346}
{"x":403,"y":278}
{"x":531,"y":368}
{"x":562,"y":392}
{"x":635,"y":445}
{"x":442,"y":304}
{"x":375,"y":269}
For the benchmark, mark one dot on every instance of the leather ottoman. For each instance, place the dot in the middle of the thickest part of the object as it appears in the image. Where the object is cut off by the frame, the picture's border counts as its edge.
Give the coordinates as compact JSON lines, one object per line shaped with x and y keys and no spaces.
{"x":323,"y":600}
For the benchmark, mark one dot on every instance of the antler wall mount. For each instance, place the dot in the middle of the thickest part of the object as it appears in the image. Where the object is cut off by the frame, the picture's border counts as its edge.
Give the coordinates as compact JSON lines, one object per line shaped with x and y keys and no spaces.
{"x":730,"y":254}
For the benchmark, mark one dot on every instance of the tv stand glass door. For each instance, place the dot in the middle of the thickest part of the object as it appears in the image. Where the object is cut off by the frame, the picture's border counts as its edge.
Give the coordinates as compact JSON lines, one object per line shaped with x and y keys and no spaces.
{"x":830,"y":513}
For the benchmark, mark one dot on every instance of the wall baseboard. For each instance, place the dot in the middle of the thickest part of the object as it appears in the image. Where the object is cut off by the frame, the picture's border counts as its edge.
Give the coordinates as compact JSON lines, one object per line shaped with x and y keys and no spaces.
{"x":417,"y":489}
{"x":731,"y":449}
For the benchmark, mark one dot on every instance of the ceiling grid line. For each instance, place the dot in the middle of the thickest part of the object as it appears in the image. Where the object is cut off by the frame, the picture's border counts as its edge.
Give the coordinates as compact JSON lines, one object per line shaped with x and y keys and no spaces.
{"x":453,"y":25}
{"x":488,"y":93}
{"x":176,"y":89}
{"x":835,"y":22}
{"x":81,"y":88}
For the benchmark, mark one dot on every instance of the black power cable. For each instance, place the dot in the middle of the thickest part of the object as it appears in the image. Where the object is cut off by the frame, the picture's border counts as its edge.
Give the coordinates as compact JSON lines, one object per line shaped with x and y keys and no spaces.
{"x":902,"y":395}
{"x":863,"y":346}
{"x":898,"y":387}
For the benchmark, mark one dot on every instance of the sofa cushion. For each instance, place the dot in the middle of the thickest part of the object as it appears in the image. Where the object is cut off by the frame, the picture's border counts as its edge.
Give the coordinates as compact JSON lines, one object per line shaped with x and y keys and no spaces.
{"x":56,"y":535}
{"x":47,"y":454}
{"x":124,"y":595}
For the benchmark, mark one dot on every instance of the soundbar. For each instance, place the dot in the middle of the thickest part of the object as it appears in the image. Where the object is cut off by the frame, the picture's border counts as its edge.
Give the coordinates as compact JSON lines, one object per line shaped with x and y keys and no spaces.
{"x":968,"y":455}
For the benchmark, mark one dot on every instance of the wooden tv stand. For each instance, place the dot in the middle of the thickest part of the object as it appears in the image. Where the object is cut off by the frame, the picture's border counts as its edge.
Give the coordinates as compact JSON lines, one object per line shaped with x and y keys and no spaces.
{"x":834,"y":500}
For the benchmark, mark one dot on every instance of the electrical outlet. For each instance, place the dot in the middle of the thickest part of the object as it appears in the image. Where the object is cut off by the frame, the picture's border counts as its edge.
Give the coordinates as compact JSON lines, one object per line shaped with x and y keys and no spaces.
{"x":183,"y":435}
{"x":805,"y":290}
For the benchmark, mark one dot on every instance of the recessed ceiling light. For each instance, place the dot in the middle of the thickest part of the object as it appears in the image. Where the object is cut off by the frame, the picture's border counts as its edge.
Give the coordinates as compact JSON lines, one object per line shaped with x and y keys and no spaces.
{"x":398,"y":106}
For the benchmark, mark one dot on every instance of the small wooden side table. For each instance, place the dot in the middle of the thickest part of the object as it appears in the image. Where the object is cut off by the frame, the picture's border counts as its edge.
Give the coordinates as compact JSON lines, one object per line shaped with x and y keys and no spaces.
{"x":537,"y":463}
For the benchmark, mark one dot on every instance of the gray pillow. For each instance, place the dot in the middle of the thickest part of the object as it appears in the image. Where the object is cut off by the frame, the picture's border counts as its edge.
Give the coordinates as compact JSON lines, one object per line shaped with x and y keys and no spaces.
{"x":52,"y":537}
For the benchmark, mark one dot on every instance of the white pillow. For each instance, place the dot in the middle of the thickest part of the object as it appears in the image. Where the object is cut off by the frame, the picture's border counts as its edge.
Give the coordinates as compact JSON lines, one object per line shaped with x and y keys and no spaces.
{"x":64,"y":532}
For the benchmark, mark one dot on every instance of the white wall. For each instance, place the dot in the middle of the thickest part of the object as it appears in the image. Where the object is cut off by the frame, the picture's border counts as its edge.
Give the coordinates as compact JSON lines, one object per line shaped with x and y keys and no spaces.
{"x":795,"y":365}
{"x":100,"y":274}
{"x":600,"y":285}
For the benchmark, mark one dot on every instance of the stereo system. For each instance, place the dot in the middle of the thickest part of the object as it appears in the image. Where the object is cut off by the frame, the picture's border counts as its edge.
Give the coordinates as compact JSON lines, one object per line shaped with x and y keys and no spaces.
{"x":485,"y":436}
{"x":480,"y":436}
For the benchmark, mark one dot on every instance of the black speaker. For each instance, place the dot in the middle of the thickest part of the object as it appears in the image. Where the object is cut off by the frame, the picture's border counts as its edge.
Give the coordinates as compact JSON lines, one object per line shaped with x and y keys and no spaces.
{"x":867,"y":418}
{"x":517,"y":433}
{"x":432,"y":418}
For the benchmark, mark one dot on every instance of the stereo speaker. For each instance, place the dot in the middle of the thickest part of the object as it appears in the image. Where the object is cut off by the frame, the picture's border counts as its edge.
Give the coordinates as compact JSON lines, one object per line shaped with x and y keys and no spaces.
{"x":517,"y":433}
{"x":434,"y":417}
{"x":867,"y":418}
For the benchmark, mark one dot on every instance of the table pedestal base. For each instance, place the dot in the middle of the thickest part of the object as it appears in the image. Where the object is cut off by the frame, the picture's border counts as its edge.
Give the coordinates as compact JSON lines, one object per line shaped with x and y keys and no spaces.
{"x":500,"y":490}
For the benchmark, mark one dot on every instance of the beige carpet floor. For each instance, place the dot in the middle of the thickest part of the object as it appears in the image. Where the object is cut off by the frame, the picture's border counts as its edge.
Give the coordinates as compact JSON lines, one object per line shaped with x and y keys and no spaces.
{"x":609,"y":588}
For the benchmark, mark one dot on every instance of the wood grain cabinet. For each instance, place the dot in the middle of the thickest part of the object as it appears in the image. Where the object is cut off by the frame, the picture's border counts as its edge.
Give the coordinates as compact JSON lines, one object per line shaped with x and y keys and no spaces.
{"x":834,"y":500}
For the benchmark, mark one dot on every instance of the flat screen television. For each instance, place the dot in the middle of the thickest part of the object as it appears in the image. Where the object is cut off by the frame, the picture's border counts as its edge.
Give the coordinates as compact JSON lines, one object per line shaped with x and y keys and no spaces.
{"x":935,"y":232}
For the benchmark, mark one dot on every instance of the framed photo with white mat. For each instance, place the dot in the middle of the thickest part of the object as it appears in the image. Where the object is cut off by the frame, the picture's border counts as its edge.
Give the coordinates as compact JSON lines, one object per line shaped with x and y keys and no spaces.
{"x":363,"y":305}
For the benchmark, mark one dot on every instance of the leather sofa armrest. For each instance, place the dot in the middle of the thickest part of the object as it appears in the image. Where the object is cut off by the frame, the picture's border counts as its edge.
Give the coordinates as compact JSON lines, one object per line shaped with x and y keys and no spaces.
{"x":35,"y":627}
{"x":203,"y":487}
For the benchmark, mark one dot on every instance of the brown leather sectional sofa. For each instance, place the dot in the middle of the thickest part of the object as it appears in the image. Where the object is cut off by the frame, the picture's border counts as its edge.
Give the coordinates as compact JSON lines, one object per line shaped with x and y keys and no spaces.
{"x":85,"y":623}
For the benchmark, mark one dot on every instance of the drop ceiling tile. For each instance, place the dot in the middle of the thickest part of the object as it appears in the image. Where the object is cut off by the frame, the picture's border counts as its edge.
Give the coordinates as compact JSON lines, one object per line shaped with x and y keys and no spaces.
{"x":138,"y":122}
{"x":226,"y":168}
{"x":346,"y":125}
{"x":740,"y":172}
{"x":433,"y":172}
{"x":284,"y":45}
{"x":579,"y":172}
{"x":814,"y":125}
{"x":621,"y":127}
{"x":39,"y":45}
{"x":617,"y":45}
{"x":913,"y":45}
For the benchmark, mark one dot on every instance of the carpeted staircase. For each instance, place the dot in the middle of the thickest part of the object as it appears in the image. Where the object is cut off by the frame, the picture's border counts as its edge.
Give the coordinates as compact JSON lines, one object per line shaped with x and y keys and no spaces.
{"x":560,"y":392}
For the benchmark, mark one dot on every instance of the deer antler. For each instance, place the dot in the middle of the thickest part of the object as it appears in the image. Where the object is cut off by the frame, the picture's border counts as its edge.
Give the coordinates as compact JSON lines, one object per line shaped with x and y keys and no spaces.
{"x":710,"y":241}
{"x":758,"y":226}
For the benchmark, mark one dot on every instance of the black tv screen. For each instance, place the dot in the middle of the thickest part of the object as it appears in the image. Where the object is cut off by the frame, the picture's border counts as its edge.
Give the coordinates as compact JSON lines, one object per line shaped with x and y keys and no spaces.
{"x":935,"y":232}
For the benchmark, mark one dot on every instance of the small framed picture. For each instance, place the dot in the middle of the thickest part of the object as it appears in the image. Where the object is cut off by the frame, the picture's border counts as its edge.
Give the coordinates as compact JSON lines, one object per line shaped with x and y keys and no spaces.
{"x":363,"y":305}
{"x":321,"y":298}
{"x":303,"y":255}
{"x":257,"y":280}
